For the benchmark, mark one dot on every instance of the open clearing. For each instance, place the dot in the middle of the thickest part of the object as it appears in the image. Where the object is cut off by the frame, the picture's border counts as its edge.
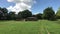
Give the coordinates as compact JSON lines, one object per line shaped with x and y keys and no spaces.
{"x":30,"y":27}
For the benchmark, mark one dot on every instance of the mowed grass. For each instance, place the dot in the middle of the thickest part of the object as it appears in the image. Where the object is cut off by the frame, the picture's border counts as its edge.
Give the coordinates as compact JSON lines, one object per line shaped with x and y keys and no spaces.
{"x":30,"y":27}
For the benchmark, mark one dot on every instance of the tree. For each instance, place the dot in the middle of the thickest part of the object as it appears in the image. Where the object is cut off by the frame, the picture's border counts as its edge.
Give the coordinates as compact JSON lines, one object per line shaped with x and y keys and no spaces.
{"x":4,"y":10}
{"x":26,"y":13}
{"x":58,"y":14}
{"x":49,"y":13}
{"x":39,"y":16}
{"x":19,"y":15}
{"x":3,"y":13}
{"x":12,"y":15}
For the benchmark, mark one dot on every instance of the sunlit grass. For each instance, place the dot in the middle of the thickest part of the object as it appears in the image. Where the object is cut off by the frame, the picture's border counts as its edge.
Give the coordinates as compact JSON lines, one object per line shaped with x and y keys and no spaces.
{"x":29,"y":27}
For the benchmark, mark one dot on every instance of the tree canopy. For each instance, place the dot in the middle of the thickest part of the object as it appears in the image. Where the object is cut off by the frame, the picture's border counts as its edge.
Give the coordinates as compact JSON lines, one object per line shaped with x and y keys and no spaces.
{"x":49,"y":13}
{"x":26,"y":13}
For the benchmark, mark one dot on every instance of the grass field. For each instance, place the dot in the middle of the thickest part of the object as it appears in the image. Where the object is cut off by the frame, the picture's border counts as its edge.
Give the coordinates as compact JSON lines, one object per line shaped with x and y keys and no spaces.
{"x":30,"y":27}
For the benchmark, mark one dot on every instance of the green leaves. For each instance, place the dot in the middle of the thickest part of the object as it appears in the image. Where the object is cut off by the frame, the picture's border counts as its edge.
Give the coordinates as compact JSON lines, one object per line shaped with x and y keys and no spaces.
{"x":49,"y":13}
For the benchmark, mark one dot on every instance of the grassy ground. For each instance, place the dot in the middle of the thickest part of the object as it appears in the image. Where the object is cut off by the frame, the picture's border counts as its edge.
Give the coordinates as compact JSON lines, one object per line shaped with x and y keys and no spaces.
{"x":30,"y":27}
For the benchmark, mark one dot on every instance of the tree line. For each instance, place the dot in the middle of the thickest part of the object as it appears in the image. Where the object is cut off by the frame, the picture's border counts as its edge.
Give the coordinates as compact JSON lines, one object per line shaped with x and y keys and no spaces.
{"x":48,"y":14}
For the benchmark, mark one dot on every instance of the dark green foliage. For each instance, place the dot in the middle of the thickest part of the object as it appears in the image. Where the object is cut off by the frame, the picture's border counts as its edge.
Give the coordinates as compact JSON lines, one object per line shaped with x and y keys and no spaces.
{"x":23,"y":15}
{"x":26,"y":13}
{"x":19,"y":16}
{"x":49,"y":14}
{"x":3,"y":13}
{"x":39,"y":16}
{"x":4,"y":10}
{"x":11,"y":15}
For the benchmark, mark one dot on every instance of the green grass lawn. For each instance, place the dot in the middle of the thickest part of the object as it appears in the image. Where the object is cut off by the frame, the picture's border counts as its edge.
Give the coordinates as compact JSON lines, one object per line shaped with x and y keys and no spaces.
{"x":30,"y":27}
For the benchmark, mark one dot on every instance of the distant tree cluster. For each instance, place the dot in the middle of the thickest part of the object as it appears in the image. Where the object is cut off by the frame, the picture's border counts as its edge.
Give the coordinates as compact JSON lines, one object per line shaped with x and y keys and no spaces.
{"x":48,"y":14}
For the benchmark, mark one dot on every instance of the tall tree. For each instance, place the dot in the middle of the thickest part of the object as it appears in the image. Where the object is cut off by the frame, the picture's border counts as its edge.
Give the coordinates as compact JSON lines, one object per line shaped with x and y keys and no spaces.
{"x":3,"y":13}
{"x":26,"y":13}
{"x":49,"y":13}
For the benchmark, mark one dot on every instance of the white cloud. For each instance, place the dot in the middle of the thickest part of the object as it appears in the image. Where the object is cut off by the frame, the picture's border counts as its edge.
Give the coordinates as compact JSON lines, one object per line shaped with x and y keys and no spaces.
{"x":21,"y":5}
{"x":10,"y":0}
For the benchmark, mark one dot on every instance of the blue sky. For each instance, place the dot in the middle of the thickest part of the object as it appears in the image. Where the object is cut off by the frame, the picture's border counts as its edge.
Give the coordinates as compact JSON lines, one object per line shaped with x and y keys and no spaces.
{"x":38,"y":7}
